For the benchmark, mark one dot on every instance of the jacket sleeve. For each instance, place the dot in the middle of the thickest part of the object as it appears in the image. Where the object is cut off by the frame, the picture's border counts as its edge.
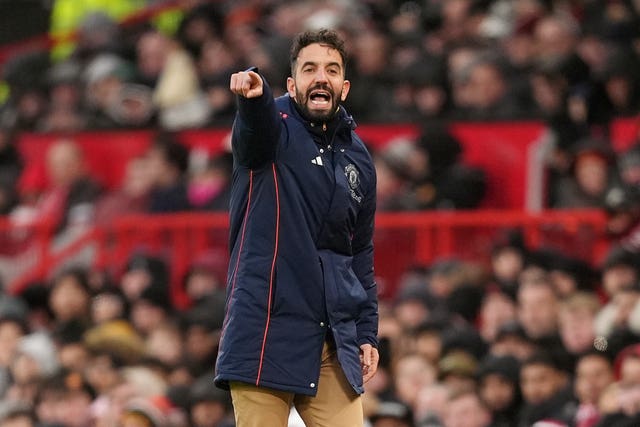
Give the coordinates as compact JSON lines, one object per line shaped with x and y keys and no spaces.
{"x":362,"y":244}
{"x":256,"y":129}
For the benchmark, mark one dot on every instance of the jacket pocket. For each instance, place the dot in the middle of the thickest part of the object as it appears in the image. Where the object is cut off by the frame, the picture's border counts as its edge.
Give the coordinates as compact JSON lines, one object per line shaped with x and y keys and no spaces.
{"x":349,"y":295}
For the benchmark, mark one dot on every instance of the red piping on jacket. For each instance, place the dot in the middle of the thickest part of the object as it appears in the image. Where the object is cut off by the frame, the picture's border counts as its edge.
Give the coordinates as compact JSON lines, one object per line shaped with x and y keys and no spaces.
{"x":273,"y":268}
{"x":235,"y":269}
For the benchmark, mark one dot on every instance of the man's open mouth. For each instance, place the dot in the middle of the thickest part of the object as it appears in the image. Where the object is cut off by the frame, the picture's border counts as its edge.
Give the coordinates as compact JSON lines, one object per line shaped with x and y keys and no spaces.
{"x":320,"y":98}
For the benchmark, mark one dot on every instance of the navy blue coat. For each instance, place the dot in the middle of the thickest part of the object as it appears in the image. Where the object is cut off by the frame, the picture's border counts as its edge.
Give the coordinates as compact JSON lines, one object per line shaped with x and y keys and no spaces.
{"x":302,"y":216}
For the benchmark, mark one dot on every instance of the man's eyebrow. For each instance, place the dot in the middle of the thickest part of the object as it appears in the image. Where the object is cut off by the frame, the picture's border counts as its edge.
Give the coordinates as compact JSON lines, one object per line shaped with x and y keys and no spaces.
{"x":330,"y":64}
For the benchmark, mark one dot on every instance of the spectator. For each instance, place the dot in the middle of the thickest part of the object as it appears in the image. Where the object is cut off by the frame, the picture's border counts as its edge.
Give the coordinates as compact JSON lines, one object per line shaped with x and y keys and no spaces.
{"x":511,"y":340}
{"x":497,"y":310}
{"x":447,"y":182}
{"x":508,"y":258}
{"x":107,"y":78}
{"x":428,"y":87}
{"x":576,"y":318}
{"x":11,"y":166}
{"x":457,"y":371}
{"x":619,"y":271}
{"x":27,"y":103}
{"x":35,"y":360}
{"x":165,"y":67}
{"x":209,"y":188}
{"x":168,"y":162}
{"x":465,"y":409}
{"x":487,"y":96}
{"x":64,"y":400}
{"x":498,"y":387}
{"x":69,"y":298}
{"x":215,"y":64}
{"x":592,"y":175}
{"x":371,"y":80}
{"x":412,"y":372}
{"x":627,"y":365}
{"x":621,"y":84}
{"x":202,"y":325}
{"x":206,"y":276}
{"x":570,"y":275}
{"x":142,"y":272}
{"x":392,"y":414}
{"x":70,"y":196}
{"x":131,"y":197}
{"x":537,"y":307}
{"x":152,"y":307}
{"x":545,"y":391}
{"x":209,"y":406}
{"x":65,"y":96}
{"x":430,"y":405}
{"x":594,"y":373}
{"x":12,"y":329}
{"x":17,"y":414}
{"x":164,"y":344}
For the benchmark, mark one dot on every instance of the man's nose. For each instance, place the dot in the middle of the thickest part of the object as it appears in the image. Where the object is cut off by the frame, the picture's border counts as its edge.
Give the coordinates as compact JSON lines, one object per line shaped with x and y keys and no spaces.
{"x":321,"y":75}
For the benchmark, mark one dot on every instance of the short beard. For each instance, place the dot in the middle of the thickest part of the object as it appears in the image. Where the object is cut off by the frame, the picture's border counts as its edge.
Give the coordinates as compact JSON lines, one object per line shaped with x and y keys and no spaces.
{"x":316,"y":116}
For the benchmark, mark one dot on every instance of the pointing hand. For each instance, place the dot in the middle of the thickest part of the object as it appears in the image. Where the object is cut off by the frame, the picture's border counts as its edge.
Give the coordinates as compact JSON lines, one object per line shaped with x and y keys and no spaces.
{"x":247,"y":84}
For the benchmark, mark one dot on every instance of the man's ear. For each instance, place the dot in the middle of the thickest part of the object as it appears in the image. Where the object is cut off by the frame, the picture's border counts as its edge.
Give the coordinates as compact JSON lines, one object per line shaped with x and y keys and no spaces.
{"x":291,"y":87}
{"x":346,"y":85}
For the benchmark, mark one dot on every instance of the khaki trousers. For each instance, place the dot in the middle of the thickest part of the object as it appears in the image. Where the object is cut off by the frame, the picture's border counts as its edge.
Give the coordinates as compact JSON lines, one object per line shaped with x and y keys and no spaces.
{"x":335,"y":404}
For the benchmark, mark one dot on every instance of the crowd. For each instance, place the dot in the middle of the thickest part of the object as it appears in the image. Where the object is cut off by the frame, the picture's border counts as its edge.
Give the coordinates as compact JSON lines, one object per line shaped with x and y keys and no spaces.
{"x":532,"y":338}
{"x":570,"y":64}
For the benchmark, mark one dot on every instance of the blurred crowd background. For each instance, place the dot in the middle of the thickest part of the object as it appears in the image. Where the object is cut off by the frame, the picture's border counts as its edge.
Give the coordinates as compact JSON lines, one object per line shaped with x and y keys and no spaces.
{"x":535,"y":337}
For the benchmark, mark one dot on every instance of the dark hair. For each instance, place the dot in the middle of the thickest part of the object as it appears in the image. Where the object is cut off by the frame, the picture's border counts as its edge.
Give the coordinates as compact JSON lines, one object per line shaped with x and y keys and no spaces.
{"x":324,"y":37}
{"x":541,"y":357}
{"x":79,"y":274}
{"x":174,"y":152}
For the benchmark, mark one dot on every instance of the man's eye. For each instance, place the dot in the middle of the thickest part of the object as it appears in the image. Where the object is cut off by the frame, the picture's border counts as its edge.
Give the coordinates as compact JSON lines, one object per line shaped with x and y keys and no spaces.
{"x":307,"y":70}
{"x":332,"y":71}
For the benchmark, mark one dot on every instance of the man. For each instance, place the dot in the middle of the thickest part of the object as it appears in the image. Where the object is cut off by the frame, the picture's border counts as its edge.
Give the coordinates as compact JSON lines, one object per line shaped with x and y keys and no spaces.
{"x":301,"y":316}
{"x":546,"y":391}
{"x":465,"y":409}
{"x":392,"y":413}
{"x":593,"y":374}
{"x":537,"y":307}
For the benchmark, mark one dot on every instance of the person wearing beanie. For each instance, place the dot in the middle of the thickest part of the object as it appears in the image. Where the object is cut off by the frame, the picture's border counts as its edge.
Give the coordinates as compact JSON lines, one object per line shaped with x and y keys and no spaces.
{"x":499,"y":388}
{"x":209,"y":406}
{"x":392,"y":413}
{"x":143,"y":271}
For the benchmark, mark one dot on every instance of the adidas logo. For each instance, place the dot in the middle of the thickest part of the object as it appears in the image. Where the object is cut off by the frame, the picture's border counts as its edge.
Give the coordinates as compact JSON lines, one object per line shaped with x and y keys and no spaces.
{"x":317,"y":161}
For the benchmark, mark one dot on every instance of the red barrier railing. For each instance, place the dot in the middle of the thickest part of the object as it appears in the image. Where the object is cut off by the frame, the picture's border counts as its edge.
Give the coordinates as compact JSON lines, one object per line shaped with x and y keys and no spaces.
{"x":402,"y":240}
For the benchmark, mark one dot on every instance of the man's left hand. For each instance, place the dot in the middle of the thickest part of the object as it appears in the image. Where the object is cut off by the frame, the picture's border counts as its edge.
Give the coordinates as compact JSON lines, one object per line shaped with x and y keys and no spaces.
{"x":369,"y":358}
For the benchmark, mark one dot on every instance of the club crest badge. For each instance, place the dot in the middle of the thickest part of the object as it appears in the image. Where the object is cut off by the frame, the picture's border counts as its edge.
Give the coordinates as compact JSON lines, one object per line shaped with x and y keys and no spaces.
{"x":353,"y":176}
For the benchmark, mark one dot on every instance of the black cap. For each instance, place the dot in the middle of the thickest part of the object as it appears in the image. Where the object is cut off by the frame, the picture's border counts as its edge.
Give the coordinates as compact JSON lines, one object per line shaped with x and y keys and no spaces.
{"x":393,"y":409}
{"x":619,"y":256}
{"x":505,"y":366}
{"x":511,"y":329}
{"x":204,"y":390}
